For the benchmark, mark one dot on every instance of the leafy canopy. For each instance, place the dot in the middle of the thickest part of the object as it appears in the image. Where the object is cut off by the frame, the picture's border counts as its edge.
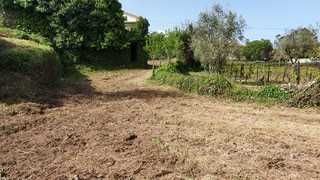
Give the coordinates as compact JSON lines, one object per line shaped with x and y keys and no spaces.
{"x":214,"y":36}
{"x":258,"y":50}
{"x":70,"y":24}
{"x":298,"y":43}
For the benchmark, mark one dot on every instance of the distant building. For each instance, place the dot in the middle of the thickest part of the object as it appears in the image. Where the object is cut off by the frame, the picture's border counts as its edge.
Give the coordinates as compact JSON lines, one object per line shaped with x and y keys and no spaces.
{"x":131,"y":20}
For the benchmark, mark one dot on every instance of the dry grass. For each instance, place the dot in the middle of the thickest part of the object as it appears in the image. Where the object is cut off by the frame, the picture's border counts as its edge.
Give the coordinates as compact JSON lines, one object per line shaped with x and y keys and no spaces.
{"x":125,"y":129}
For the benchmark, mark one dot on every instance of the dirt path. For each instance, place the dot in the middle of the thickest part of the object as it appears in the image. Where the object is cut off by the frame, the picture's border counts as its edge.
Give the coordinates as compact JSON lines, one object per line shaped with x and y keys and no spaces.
{"x":123,"y":128}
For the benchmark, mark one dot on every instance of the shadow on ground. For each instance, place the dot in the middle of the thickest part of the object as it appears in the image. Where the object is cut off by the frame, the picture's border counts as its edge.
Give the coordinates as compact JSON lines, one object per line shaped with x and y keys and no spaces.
{"x":16,"y":88}
{"x":75,"y":86}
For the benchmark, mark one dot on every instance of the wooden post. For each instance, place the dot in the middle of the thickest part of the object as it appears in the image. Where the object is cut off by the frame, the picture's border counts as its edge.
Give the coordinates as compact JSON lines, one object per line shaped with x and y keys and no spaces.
{"x":298,"y":73}
{"x":242,"y":71}
{"x":269,"y":71}
{"x":257,"y":72}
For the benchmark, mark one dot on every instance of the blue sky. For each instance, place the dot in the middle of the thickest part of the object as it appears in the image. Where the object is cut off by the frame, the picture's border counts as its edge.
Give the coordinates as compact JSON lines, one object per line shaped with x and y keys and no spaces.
{"x":265,"y":18}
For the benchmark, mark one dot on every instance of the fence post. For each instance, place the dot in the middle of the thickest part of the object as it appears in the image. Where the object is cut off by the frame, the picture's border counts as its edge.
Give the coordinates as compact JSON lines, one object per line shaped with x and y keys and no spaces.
{"x":257,"y":72}
{"x":298,"y":73}
{"x":269,"y":71}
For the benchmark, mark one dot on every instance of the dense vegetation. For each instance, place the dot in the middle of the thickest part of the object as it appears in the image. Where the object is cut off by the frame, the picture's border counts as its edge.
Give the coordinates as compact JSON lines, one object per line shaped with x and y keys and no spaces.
{"x":78,"y":24}
{"x":217,"y":85}
{"x":76,"y":29}
{"x":258,"y":50}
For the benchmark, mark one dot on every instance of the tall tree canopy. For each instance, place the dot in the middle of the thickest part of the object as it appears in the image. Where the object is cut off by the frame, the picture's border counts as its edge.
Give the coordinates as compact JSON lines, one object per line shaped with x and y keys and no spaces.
{"x":298,"y":43}
{"x":214,"y":35}
{"x":258,"y":50}
{"x":70,"y":24}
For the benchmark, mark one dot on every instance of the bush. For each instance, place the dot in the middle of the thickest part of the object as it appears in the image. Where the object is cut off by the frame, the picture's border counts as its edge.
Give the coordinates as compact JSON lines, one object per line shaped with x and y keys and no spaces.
{"x":173,"y":68}
{"x":70,"y":24}
{"x":29,"y":58}
{"x":273,"y":92}
{"x":212,"y":85}
{"x":267,"y":94}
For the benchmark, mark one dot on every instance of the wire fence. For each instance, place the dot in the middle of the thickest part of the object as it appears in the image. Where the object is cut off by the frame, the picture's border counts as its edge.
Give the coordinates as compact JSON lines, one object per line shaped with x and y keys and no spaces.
{"x":273,"y":73}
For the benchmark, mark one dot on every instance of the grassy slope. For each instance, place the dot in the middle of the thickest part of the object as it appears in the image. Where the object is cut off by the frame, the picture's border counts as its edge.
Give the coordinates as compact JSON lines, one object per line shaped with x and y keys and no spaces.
{"x":26,"y":65}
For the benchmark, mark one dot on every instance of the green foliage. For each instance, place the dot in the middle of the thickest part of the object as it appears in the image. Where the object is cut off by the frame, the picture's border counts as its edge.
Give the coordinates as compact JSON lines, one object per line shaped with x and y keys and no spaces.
{"x":155,"y":46}
{"x":70,"y":24}
{"x":215,"y":85}
{"x":173,"y":68}
{"x":40,"y":62}
{"x":214,"y":36}
{"x":89,"y":24}
{"x":267,"y":94}
{"x":212,"y":86}
{"x":164,"y":45}
{"x":140,"y":31}
{"x":14,"y":33}
{"x":258,"y":50}
{"x":273,"y":92}
{"x":185,"y":53}
{"x":298,"y":43}
{"x":218,"y":85}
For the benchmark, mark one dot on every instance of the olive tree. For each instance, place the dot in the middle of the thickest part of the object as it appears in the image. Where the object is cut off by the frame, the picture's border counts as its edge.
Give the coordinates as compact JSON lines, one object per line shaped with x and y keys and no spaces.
{"x":214,"y":36}
{"x":298,"y":43}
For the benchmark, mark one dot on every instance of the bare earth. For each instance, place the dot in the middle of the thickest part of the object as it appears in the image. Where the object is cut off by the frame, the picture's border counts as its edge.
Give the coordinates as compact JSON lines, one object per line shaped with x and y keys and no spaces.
{"x":117,"y":126}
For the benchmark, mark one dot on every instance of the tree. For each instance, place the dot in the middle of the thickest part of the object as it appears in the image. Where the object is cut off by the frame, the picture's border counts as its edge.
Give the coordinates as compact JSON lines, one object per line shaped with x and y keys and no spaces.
{"x":214,"y":35}
{"x":155,"y":45}
{"x":185,"y":53}
{"x":298,"y":43}
{"x":172,"y":43}
{"x":258,"y":50}
{"x":164,"y":45}
{"x":71,"y":24}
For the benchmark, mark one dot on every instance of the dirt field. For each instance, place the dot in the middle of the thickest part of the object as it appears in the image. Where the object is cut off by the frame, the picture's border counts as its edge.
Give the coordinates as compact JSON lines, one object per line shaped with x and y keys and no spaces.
{"x":116,"y":126}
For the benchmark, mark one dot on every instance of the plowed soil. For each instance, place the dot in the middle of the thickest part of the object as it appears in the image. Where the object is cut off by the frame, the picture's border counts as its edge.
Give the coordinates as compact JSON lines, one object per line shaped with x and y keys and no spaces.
{"x":114,"y":125}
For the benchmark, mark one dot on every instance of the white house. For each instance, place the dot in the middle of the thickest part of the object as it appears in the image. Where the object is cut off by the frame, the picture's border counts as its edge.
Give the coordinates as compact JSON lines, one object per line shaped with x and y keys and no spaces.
{"x":131,"y":18}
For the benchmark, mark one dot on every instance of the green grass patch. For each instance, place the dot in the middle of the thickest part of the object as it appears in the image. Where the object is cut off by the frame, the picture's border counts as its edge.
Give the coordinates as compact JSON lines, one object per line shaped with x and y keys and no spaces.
{"x":17,"y":34}
{"x":30,"y":58}
{"x":266,"y":94}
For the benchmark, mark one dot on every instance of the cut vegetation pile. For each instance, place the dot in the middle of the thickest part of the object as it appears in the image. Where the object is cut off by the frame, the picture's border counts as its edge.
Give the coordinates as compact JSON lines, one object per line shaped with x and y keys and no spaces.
{"x":309,"y":96}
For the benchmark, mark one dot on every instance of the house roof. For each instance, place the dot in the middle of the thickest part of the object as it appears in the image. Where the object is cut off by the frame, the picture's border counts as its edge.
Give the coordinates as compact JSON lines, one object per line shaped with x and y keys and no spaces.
{"x":131,"y":18}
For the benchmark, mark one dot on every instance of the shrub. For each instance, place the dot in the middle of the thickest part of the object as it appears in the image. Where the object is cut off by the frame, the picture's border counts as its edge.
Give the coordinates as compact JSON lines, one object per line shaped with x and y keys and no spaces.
{"x":267,"y":94}
{"x":173,"y":68}
{"x":212,"y":85}
{"x":273,"y":92}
